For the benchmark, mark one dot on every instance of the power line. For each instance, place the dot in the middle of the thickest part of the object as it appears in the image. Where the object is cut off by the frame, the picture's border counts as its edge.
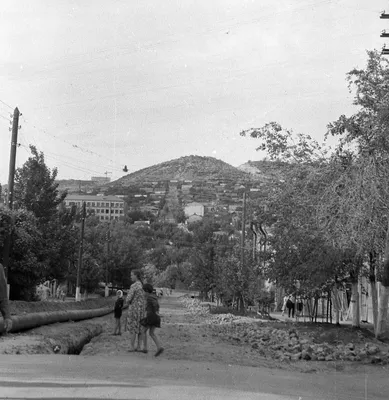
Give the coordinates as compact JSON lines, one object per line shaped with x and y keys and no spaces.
{"x":7,"y":119}
{"x":81,"y":148}
{"x":1,"y":101}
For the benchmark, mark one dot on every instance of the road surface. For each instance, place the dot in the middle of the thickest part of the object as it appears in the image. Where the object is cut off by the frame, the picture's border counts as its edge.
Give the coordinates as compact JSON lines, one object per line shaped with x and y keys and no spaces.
{"x":132,"y":376}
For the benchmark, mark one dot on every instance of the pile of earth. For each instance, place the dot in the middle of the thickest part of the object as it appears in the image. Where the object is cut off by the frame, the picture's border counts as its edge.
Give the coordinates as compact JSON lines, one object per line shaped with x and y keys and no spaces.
{"x":291,"y":342}
{"x":287,"y":344}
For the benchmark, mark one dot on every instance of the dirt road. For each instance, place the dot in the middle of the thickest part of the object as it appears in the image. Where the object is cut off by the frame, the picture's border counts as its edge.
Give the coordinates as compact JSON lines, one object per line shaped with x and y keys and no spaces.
{"x":197,"y":364}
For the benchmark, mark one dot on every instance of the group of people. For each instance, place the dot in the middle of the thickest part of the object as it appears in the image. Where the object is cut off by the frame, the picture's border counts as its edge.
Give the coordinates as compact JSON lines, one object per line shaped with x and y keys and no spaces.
{"x":142,"y":317}
{"x":291,"y":303}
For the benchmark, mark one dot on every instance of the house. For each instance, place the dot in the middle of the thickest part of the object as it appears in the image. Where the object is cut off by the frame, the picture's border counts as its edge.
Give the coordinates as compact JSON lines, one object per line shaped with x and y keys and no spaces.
{"x":194,"y":208}
{"x":106,"y":208}
{"x":194,"y":218}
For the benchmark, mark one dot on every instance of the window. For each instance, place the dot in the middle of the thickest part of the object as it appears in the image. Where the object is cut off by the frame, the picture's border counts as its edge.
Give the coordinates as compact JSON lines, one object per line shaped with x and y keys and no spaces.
{"x":102,"y":217}
{"x":88,"y":204}
{"x":116,"y":211}
{"x":93,"y":204}
{"x":107,"y":204}
{"x":121,"y":211}
{"x":98,"y":204}
{"x":107,"y":211}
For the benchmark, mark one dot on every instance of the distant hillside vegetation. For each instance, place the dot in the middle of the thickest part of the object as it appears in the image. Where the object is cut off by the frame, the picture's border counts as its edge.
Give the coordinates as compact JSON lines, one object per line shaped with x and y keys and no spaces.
{"x":185,"y":168}
{"x":265,"y":171}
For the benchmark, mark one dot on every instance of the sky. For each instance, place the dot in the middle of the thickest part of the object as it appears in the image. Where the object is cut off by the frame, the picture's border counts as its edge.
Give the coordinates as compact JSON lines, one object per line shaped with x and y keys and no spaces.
{"x":103,"y":84}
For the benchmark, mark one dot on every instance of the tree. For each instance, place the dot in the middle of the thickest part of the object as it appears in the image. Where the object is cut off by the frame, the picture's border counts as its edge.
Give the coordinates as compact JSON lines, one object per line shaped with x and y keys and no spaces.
{"x":35,"y":187}
{"x":363,"y":186}
{"x":26,"y":269}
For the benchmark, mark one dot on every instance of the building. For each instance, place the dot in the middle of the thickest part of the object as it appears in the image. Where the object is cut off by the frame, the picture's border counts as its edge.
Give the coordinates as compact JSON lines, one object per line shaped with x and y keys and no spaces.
{"x":194,"y":218}
{"x":194,"y":208}
{"x":106,"y":208}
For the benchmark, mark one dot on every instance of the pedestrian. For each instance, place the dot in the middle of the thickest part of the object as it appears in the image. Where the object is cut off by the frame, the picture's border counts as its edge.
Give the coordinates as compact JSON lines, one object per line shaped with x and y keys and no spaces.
{"x":4,"y":304}
{"x":290,"y":305}
{"x":136,"y":310}
{"x":284,"y":304}
{"x":119,"y":303}
{"x":152,"y":319}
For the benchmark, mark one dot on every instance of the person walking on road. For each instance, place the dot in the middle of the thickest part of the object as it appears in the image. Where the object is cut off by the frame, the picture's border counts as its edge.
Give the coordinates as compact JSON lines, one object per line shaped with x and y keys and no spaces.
{"x":118,"y":312}
{"x":290,"y":305}
{"x":284,"y":304}
{"x":136,"y":310}
{"x":152,"y":319}
{"x":4,"y":304}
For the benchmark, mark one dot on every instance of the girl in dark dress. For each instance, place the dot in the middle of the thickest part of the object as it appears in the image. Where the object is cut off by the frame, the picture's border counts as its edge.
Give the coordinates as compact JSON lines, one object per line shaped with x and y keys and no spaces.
{"x":118,"y":312}
{"x":152,"y":319}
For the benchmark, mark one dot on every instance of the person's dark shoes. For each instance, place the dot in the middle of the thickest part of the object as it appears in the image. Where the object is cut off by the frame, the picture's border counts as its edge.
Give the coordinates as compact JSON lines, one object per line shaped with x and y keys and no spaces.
{"x":159,"y":352}
{"x":144,"y":351}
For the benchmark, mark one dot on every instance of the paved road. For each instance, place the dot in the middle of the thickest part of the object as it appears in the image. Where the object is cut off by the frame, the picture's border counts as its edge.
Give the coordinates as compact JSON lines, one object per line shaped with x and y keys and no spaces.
{"x":131,"y":376}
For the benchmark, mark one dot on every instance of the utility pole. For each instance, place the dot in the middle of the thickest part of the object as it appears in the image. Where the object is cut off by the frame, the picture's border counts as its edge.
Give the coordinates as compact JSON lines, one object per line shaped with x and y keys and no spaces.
{"x":10,"y":194}
{"x":79,"y":266}
{"x":108,"y":261}
{"x":12,"y":158}
{"x":243,"y":239}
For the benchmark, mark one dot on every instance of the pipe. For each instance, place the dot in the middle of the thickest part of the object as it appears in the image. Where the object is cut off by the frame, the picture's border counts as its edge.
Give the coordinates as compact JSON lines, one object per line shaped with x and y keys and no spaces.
{"x":34,"y":320}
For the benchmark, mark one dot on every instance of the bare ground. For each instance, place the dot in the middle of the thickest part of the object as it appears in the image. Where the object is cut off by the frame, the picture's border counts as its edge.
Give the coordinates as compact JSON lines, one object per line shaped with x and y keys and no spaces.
{"x":184,"y":337}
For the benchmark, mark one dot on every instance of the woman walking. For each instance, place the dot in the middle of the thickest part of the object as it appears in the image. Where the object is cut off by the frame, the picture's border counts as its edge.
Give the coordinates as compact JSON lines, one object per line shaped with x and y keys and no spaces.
{"x":152,"y":319}
{"x":136,"y":310}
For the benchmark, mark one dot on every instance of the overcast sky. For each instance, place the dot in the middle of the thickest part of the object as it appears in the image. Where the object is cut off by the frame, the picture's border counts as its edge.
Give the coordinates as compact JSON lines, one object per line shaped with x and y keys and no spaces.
{"x":102,"y":84}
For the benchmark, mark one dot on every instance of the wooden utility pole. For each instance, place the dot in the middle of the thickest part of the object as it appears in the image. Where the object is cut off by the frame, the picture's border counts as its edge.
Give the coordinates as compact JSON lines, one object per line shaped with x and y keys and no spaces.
{"x":79,"y":266}
{"x":107,"y":261}
{"x":243,"y":239}
{"x":12,"y":158}
{"x":10,"y":194}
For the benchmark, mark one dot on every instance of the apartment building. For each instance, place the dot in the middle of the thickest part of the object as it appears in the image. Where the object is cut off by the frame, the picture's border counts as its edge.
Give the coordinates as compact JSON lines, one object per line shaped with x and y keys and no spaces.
{"x":106,"y":208}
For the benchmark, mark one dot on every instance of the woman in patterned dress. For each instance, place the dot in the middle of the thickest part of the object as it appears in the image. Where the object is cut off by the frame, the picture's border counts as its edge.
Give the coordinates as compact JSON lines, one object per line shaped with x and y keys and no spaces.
{"x":136,"y":310}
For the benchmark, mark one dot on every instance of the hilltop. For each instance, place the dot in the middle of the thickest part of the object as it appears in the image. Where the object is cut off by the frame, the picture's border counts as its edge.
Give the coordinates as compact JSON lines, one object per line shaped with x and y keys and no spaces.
{"x":194,"y":168}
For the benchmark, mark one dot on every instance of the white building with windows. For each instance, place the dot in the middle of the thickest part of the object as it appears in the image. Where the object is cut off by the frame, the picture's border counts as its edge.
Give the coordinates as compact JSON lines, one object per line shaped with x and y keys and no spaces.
{"x":106,"y":208}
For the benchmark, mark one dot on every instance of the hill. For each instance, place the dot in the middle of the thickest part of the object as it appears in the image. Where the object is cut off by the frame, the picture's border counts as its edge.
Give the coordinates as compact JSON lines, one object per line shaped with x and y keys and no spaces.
{"x":265,"y":171}
{"x":193,"y":168}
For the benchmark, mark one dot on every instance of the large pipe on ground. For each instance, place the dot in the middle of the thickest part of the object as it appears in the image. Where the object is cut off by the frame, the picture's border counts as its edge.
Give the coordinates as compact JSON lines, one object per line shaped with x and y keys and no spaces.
{"x":33,"y":320}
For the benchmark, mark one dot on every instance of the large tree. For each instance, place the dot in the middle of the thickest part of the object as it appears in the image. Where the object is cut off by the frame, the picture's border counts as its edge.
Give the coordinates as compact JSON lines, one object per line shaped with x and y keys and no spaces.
{"x":25,"y":269}
{"x":362,"y":190}
{"x":35,"y":187}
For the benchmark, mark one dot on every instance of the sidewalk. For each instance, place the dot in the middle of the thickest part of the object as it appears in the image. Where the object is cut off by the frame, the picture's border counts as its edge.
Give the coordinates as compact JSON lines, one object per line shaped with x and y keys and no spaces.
{"x":278,"y":315}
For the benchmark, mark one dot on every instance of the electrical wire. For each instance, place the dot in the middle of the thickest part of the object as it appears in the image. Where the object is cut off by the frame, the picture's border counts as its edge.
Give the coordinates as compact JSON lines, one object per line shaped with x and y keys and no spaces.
{"x":1,"y":101}
{"x":7,"y":119}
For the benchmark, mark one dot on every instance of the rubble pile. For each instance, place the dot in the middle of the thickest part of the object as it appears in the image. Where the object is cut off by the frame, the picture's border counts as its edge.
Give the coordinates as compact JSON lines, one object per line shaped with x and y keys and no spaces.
{"x":287,"y":345}
{"x":282,"y":344}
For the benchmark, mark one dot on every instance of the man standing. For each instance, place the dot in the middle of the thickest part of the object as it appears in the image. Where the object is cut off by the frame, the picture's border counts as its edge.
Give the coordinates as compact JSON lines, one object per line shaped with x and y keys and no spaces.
{"x":4,"y":305}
